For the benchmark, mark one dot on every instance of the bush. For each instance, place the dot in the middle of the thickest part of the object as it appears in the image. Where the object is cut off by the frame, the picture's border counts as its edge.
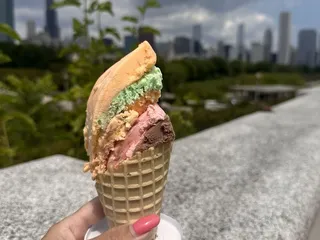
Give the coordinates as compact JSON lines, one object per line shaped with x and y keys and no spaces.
{"x":203,"y":119}
{"x":174,"y":75}
{"x":182,"y":123}
{"x":202,"y":90}
{"x":30,"y":56}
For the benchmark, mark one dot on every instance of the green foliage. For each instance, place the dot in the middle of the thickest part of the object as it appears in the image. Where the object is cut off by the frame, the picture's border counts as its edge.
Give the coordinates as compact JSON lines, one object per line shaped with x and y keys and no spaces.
{"x":26,"y":121}
{"x":182,"y":123}
{"x":105,"y":7}
{"x":130,"y":19}
{"x":147,"y":5}
{"x":30,"y":56}
{"x":221,"y":65}
{"x":136,"y":22}
{"x":174,"y":75}
{"x":113,"y":32}
{"x":66,"y":3}
{"x":7,"y":30}
{"x":236,"y":67}
{"x":149,"y":29}
{"x":4,"y":58}
{"x":79,"y":29}
{"x":217,"y":88}
{"x":204,"y":119}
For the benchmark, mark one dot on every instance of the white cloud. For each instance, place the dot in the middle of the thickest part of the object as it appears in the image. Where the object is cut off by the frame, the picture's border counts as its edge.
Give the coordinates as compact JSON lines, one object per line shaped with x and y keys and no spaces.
{"x":215,"y":26}
{"x":171,"y":20}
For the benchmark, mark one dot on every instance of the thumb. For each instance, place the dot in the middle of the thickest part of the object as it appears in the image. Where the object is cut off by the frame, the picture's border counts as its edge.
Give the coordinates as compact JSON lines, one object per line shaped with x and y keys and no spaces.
{"x":142,"y":229}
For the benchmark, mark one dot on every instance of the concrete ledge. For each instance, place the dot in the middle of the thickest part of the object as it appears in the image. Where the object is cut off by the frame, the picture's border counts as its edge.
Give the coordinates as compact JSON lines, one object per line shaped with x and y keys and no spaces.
{"x":257,"y":177}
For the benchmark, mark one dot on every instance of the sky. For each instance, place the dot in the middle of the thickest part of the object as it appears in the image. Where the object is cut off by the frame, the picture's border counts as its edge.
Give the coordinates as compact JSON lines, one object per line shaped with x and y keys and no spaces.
{"x":219,"y":18}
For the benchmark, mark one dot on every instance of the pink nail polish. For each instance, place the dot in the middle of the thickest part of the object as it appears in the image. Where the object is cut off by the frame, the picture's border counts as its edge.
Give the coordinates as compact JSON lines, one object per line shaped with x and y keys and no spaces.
{"x":146,"y":224}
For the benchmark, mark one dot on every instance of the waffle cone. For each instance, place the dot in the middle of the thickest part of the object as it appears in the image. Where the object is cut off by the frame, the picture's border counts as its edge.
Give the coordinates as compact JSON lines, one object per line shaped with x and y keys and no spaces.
{"x":135,"y":188}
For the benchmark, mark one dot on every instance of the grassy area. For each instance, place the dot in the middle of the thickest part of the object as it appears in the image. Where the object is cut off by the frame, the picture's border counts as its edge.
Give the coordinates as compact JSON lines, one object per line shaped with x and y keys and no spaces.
{"x":216,"y":89}
{"x":200,"y":119}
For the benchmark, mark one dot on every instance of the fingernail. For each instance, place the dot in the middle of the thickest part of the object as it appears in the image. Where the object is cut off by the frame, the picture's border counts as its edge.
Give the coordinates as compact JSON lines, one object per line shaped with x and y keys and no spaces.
{"x":146,"y":224}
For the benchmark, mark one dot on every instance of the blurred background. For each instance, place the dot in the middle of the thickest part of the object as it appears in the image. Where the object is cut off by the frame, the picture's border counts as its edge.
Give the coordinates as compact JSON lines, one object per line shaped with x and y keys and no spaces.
{"x":220,"y":59}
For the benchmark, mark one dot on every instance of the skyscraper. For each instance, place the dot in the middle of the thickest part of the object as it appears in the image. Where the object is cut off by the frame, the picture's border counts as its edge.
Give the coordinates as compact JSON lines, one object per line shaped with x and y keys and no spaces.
{"x":130,"y":43}
{"x":52,"y":21}
{"x":196,"y":40}
{"x":182,"y":45}
{"x":267,"y":45}
{"x":31,"y":29}
{"x":240,"y":42}
{"x":230,"y":52}
{"x":284,"y":38}
{"x":6,"y":16}
{"x":307,"y":47}
{"x":221,"y":49}
{"x":146,"y":36}
{"x":108,"y":42}
{"x":256,"y":52}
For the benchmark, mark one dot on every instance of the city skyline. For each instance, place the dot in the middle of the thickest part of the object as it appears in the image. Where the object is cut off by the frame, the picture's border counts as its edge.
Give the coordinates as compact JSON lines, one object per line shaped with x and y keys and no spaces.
{"x":254,"y":14}
{"x":259,"y":49}
{"x":284,"y":38}
{"x":6,"y":16}
{"x":51,"y":23}
{"x":240,"y":41}
{"x":307,"y":47}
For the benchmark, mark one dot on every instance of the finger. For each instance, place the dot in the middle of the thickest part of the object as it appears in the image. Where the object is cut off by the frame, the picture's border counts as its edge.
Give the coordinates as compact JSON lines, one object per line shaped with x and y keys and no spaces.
{"x":90,"y":213}
{"x":80,"y":221}
{"x":140,"y":230}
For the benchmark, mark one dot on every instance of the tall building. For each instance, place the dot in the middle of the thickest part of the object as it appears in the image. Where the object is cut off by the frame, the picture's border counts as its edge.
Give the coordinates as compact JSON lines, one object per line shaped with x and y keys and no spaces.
{"x":196,"y":40}
{"x":240,"y":42}
{"x":163,"y":49}
{"x":221,"y":49}
{"x":230,"y":52}
{"x":130,"y":43}
{"x":233,"y":53}
{"x":267,"y":45}
{"x":256,"y":53}
{"x":182,"y":45}
{"x":198,"y":49}
{"x":31,"y":29}
{"x":6,"y":16}
{"x":52,"y":27}
{"x":293,"y":56}
{"x":307,"y":47}
{"x":108,"y":42}
{"x":146,"y":36}
{"x":284,"y":42}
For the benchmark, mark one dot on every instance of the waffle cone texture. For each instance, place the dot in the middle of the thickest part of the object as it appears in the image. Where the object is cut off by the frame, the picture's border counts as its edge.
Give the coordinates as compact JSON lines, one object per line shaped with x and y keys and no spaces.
{"x":135,"y":188}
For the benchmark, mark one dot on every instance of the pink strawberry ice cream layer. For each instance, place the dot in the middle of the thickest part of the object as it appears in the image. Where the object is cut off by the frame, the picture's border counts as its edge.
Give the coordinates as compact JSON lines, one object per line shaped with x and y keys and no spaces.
{"x":136,"y":135}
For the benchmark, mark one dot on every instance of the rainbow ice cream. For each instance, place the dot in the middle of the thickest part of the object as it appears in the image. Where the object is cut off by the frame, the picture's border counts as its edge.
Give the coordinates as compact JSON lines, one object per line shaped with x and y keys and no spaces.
{"x":123,"y":116}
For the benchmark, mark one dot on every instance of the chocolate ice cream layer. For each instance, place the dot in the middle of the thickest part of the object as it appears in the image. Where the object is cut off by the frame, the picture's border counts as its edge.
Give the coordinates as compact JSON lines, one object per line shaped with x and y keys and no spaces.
{"x":159,"y":133}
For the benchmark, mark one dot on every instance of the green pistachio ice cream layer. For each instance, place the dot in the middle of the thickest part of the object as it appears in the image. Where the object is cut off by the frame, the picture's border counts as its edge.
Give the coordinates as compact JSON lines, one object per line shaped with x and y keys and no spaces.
{"x":149,"y":82}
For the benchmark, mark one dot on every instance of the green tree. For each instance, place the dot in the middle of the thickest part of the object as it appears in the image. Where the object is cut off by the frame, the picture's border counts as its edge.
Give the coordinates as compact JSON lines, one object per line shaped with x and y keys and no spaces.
{"x":7,"y":30}
{"x":221,"y":66}
{"x":174,"y":75}
{"x":136,"y":22}
{"x":7,"y":97}
{"x":182,"y":123}
{"x":236,"y":67}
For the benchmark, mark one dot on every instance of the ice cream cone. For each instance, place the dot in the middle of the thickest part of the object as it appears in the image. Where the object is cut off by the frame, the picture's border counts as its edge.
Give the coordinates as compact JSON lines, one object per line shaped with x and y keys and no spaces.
{"x":135,"y":188}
